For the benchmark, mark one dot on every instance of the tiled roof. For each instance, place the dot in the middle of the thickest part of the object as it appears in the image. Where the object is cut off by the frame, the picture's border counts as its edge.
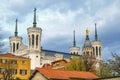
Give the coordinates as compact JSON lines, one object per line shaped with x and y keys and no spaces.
{"x":52,"y":53}
{"x":63,"y":74}
{"x":11,"y":55}
{"x":59,"y":61}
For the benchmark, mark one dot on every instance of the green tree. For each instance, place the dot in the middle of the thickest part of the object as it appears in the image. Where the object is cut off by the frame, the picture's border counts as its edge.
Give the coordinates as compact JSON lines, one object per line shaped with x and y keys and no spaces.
{"x":76,"y":63}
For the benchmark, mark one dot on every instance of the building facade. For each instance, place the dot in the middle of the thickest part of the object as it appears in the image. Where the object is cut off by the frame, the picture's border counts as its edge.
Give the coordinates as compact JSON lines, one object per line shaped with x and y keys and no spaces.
{"x":14,"y":66}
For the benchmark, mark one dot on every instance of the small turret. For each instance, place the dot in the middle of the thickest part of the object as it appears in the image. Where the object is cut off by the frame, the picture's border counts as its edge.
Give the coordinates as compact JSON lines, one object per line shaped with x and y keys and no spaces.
{"x":75,"y":50}
{"x":15,"y":41}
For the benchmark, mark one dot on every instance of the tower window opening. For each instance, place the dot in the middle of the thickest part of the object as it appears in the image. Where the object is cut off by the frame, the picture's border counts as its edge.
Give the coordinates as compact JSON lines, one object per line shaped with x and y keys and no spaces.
{"x":96,"y":51}
{"x":100,"y":51}
{"x":77,"y":53}
{"x":32,"y":40}
{"x":17,"y":46}
{"x":13,"y":47}
{"x":88,"y":53}
{"x":29,"y":40}
{"x":84,"y":54}
{"x":74,"y":53}
{"x":36,"y":56}
{"x":37,"y":40}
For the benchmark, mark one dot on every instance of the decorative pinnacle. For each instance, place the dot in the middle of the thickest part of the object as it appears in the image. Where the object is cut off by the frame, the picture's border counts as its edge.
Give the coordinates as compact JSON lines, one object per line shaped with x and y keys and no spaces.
{"x":34,"y":21}
{"x":74,"y":41}
{"x":96,"y":37}
{"x":87,"y":34}
{"x":16,"y":28}
{"x":87,"y":31}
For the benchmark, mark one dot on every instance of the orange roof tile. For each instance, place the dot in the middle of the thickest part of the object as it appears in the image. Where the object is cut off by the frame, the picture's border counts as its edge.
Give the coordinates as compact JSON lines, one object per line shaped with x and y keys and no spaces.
{"x":63,"y":74}
{"x":11,"y":55}
{"x":59,"y":61}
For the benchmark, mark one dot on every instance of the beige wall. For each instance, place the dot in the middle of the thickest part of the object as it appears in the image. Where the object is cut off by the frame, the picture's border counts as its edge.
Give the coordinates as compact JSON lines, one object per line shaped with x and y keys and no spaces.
{"x":38,"y":76}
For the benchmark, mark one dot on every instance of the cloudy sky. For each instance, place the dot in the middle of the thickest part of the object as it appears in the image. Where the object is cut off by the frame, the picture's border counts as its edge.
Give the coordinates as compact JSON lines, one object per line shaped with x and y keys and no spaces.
{"x":58,"y":19}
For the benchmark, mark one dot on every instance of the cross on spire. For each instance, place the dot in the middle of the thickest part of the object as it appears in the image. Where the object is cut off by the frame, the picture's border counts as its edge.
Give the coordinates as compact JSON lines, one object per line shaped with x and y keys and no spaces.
{"x":34,"y":20}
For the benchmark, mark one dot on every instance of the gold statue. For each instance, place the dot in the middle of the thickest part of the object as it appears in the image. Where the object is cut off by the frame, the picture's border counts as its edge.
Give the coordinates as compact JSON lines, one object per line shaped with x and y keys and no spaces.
{"x":87,"y":31}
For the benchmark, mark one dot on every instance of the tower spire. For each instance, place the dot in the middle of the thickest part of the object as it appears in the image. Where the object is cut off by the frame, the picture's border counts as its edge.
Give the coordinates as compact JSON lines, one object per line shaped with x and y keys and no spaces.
{"x":74,"y":41}
{"x":16,"y":29}
{"x":34,"y":20}
{"x":87,"y":34}
{"x":96,"y":37}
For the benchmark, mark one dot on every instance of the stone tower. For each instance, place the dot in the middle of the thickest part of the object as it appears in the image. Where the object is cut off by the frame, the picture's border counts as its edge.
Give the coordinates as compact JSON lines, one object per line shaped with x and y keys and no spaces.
{"x":75,"y":50}
{"x":34,"y":43}
{"x":15,"y":41}
{"x":87,"y":49}
{"x":97,"y":46}
{"x":34,"y":35}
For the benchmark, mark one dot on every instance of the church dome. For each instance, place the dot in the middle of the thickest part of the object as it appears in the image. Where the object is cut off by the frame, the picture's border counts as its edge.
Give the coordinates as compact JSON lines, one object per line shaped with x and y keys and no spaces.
{"x":87,"y":44}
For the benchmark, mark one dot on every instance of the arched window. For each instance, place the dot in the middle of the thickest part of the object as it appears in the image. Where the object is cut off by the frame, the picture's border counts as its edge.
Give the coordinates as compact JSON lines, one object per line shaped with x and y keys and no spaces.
{"x":84,"y":54}
{"x":87,"y":53}
{"x":17,"y":46}
{"x":32,"y":39}
{"x":77,"y":53}
{"x":96,"y":51}
{"x":37,"y":40}
{"x":13,"y":47}
{"x":74,"y":53}
{"x":100,"y":51}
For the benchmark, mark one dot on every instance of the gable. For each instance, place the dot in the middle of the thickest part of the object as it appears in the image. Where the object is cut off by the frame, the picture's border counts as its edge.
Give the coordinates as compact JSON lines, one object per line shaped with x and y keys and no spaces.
{"x":38,"y":76}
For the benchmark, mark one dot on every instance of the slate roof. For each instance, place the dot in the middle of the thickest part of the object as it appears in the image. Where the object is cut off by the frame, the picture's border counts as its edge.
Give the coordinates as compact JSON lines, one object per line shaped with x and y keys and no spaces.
{"x":52,"y":53}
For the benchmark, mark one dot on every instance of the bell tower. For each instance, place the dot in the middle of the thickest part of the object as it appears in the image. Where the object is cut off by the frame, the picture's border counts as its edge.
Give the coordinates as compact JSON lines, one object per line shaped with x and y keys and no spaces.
{"x":15,"y":41}
{"x":34,"y":35}
{"x":97,"y":46}
{"x":34,"y":43}
{"x":75,"y":50}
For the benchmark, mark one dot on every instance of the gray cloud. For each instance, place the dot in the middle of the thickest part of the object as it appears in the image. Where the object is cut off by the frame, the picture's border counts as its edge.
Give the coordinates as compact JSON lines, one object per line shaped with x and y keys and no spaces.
{"x":61,"y":17}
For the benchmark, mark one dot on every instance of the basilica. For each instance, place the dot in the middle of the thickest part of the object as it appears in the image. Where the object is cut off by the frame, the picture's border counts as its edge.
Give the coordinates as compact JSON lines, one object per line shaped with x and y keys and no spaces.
{"x":39,"y":56}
